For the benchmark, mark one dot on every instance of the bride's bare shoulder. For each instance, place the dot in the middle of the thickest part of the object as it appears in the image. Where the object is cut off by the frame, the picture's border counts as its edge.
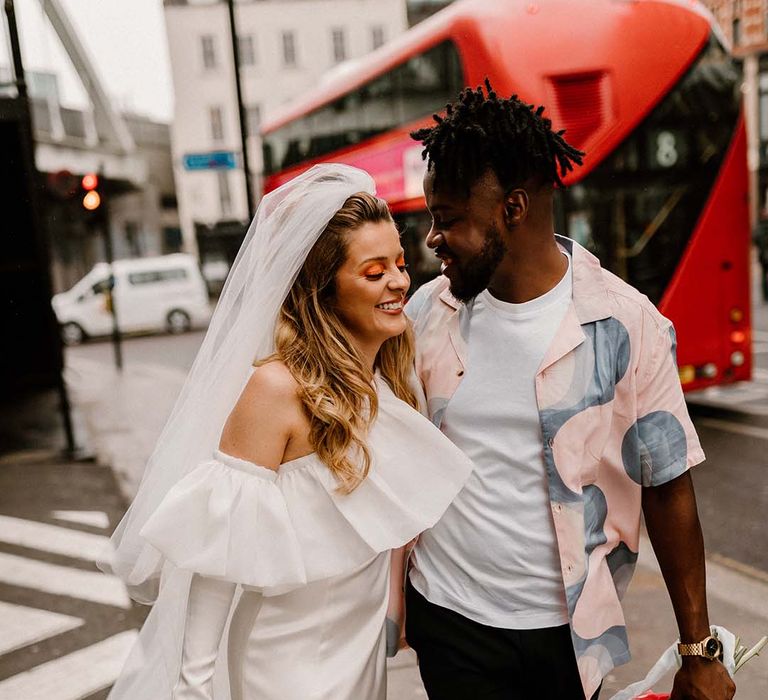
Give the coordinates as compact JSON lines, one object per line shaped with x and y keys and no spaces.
{"x":273,"y":378}
{"x":264,"y":417}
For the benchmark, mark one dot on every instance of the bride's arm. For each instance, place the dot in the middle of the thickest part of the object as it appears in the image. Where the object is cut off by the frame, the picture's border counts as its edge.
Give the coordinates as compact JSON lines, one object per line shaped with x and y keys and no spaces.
{"x":396,"y":608}
{"x":207,"y":612}
{"x":257,"y":430}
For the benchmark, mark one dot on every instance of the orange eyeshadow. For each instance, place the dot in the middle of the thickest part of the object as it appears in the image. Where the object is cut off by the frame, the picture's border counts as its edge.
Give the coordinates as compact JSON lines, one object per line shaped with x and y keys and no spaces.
{"x":373,"y":270}
{"x":400,"y":261}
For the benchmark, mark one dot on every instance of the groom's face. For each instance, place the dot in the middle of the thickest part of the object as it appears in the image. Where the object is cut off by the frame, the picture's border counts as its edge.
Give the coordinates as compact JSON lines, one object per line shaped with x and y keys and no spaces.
{"x":466,"y":233}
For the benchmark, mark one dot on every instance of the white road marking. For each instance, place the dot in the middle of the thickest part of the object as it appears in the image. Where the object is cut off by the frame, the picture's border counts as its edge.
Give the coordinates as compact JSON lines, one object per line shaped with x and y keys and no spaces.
{"x":74,"y":676}
{"x":737,"y":428}
{"x":52,"y":538}
{"x":22,"y":625}
{"x":62,"y":580}
{"x":94,"y":518}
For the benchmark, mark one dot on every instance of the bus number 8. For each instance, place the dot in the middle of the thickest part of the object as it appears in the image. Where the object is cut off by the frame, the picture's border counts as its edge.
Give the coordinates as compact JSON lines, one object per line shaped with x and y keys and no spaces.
{"x":666,"y":149}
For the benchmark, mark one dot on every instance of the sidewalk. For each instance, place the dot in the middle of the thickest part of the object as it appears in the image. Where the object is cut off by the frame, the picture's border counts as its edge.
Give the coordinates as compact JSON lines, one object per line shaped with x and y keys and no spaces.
{"x":67,"y":628}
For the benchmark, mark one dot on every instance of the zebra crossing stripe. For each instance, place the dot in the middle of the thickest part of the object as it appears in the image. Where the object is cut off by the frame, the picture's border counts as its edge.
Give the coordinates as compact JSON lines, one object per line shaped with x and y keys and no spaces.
{"x":52,"y":538}
{"x":94,"y":518}
{"x":22,"y":625}
{"x":73,"y":676}
{"x":62,"y":580}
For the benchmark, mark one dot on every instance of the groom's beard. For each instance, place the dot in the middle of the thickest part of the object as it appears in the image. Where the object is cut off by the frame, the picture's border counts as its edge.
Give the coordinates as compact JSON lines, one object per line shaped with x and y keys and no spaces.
{"x":474,"y":275}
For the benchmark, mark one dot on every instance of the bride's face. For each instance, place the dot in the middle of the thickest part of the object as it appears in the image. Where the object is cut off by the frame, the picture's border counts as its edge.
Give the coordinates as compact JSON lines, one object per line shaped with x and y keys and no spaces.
{"x":372,"y":283}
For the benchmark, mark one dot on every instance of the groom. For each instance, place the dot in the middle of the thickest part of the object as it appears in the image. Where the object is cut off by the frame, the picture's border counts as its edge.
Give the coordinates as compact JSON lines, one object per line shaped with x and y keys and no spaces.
{"x":559,"y":381}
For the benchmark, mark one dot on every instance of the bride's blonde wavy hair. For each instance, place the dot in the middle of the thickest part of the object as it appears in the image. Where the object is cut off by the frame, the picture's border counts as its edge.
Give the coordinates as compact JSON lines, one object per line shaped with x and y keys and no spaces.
{"x":336,"y":386}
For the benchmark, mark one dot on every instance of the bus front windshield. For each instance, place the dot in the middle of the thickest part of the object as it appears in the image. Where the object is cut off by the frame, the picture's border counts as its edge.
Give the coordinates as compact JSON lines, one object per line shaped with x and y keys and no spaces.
{"x":637,"y":209}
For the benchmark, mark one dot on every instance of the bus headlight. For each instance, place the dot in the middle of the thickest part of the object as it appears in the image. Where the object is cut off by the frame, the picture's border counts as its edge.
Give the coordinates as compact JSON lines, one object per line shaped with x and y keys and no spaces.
{"x":708,"y":371}
{"x":737,"y":358}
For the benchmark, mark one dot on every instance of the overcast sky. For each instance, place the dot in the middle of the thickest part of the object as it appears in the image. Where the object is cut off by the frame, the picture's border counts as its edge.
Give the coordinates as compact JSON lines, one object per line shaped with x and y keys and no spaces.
{"x":124,"y":38}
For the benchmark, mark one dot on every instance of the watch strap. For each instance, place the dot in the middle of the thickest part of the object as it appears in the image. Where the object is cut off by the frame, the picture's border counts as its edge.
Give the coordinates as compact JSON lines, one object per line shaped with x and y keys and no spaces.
{"x":700,"y":648}
{"x":696,"y":649}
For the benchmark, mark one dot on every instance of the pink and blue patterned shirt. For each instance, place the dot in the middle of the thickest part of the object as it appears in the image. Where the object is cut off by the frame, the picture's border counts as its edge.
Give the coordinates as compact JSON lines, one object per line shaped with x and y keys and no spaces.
{"x":613,"y":420}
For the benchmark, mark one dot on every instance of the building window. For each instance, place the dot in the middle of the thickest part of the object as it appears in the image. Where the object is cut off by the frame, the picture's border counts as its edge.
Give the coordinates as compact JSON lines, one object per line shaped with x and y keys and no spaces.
{"x":289,"y":49}
{"x":339,"y":45}
{"x":254,"y":120}
{"x":736,"y":31}
{"x":209,"y":51}
{"x":247,"y":51}
{"x":377,"y":37}
{"x":762,"y":85}
{"x":132,"y":239}
{"x":225,"y":196}
{"x":217,"y":124}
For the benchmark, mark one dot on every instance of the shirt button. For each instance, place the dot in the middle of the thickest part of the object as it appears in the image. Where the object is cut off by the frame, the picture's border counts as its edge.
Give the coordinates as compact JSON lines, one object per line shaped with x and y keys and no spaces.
{"x":557,"y":508}
{"x":460,"y":373}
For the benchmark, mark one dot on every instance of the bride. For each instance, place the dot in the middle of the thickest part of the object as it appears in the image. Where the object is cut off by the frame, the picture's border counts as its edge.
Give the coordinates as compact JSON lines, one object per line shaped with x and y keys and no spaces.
{"x":269,"y":526}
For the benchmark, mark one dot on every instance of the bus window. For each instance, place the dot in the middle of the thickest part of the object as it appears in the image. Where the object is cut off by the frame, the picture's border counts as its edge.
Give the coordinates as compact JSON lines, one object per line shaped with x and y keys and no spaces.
{"x":637,"y":209}
{"x":414,"y":89}
{"x":423,"y":265}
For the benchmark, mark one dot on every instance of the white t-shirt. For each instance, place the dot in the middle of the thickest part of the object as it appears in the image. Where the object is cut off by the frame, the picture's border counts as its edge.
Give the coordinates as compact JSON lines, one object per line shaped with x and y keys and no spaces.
{"x":493,"y":556}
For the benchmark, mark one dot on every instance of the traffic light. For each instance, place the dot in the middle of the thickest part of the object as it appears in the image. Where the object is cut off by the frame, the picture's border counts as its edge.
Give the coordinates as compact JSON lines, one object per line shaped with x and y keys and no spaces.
{"x":89,"y":185}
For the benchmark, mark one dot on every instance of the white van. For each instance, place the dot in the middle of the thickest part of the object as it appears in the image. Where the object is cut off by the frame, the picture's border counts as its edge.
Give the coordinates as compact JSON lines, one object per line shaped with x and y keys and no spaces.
{"x":150,"y":294}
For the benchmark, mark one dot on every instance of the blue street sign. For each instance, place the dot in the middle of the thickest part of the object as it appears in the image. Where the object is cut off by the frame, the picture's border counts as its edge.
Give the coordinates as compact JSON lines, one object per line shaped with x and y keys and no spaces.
{"x":215,"y":160}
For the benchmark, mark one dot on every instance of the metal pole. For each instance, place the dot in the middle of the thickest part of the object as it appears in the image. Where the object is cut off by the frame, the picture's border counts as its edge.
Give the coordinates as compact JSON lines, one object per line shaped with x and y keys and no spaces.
{"x":103,"y":222}
{"x":241,"y":111}
{"x":28,"y":155}
{"x":18,"y":66}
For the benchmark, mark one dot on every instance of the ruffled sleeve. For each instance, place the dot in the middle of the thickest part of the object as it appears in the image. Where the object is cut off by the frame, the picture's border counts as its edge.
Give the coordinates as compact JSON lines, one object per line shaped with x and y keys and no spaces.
{"x":228,"y":519}
{"x":277,"y":530}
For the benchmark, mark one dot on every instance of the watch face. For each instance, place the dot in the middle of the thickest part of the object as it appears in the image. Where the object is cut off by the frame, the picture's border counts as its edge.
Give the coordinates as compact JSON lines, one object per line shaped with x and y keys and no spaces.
{"x":712,"y":647}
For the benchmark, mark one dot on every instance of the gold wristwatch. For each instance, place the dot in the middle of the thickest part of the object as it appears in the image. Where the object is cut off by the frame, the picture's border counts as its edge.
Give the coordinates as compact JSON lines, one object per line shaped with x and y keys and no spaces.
{"x":710,"y":648}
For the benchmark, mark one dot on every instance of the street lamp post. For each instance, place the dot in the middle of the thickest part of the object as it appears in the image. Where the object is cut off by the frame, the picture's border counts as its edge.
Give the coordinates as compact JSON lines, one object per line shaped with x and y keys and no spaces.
{"x":241,"y":110}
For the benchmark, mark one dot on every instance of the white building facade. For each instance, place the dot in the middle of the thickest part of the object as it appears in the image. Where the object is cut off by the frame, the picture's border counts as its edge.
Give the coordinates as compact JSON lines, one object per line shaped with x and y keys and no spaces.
{"x":285,"y":48}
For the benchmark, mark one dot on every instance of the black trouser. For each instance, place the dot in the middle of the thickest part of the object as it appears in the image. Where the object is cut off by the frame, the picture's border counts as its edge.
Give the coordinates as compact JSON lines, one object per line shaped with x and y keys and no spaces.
{"x":460,"y":659}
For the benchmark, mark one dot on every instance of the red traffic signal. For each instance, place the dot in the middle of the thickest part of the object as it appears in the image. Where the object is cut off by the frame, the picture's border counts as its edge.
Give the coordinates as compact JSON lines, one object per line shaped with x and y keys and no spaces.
{"x":91,"y":198}
{"x":89,"y":182}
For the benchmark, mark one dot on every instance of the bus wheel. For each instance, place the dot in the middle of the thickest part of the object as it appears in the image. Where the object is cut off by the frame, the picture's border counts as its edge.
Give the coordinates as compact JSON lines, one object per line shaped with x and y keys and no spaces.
{"x":177,"y":321}
{"x":72,"y":333}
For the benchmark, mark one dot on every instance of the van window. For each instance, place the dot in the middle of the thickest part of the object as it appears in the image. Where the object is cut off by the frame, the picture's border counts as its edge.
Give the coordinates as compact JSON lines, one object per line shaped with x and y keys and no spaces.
{"x":99,"y":287}
{"x":153,"y":276}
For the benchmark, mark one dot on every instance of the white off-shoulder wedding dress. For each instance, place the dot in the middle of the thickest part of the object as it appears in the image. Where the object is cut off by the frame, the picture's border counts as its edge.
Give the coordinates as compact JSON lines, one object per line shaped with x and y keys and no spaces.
{"x":292,"y":575}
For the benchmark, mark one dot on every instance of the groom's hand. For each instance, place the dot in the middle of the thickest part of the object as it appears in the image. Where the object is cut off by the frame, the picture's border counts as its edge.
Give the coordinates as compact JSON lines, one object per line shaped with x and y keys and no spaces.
{"x":701,"y":679}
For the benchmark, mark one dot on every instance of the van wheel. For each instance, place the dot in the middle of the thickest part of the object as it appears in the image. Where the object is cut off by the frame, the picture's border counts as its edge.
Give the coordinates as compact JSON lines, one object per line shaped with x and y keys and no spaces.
{"x":72,"y":334}
{"x":177,"y":321}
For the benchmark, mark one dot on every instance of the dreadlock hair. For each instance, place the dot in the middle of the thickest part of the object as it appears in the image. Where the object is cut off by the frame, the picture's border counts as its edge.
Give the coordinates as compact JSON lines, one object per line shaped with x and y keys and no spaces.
{"x":508,"y":136}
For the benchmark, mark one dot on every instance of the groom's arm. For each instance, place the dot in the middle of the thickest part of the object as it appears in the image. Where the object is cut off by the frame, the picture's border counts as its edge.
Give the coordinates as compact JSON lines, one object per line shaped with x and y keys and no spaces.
{"x":666,"y":447}
{"x":673,"y":526}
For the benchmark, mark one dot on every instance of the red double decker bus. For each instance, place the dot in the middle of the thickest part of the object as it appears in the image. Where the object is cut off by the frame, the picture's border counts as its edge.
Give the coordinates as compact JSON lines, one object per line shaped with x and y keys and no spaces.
{"x":645,"y":87}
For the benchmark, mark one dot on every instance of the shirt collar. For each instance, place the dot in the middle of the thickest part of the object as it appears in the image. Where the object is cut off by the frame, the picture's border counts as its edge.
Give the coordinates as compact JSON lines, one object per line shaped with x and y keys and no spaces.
{"x":590,"y":295}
